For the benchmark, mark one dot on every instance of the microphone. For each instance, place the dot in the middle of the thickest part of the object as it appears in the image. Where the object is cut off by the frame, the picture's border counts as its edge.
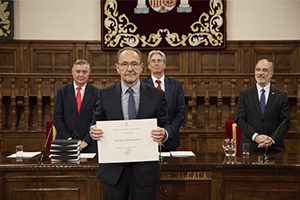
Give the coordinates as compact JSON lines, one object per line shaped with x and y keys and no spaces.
{"x":43,"y":157}
{"x":161,"y":159}
{"x":265,"y":157}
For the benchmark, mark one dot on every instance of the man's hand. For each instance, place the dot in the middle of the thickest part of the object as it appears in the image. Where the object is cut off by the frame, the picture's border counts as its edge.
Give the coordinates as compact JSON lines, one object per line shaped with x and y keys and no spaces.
{"x":96,"y":133}
{"x":263,"y":141}
{"x":83,"y":145}
{"x":158,"y":134}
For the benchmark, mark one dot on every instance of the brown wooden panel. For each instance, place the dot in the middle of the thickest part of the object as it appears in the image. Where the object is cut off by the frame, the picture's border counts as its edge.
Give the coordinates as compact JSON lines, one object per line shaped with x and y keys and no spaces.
{"x":30,"y":141}
{"x":212,"y":143}
{"x":46,"y":193}
{"x":209,"y":63}
{"x":227,"y":62}
{"x":43,"y":59}
{"x":57,"y":183}
{"x":261,"y":190}
{"x":52,"y":57}
{"x":7,"y":61}
{"x":173,"y":63}
{"x":265,"y":195}
{"x":1,"y":142}
{"x":177,"y":190}
{"x":53,"y":62}
{"x":59,"y":189}
{"x":103,"y":62}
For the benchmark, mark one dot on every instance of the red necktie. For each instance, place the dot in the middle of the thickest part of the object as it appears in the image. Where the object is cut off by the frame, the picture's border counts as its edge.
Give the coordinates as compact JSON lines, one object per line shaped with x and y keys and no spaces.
{"x":78,"y":99}
{"x":158,"y":84}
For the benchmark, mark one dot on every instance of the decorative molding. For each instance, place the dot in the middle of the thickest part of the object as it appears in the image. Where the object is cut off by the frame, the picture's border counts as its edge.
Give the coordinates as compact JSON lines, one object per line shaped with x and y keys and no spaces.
{"x":126,"y":24}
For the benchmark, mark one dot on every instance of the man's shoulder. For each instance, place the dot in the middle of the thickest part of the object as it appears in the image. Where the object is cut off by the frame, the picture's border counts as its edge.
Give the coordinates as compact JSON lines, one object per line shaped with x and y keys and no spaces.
{"x":65,"y":87}
{"x":150,"y":88}
{"x":110,"y":87}
{"x":146,"y":80}
{"x":276,"y":89}
{"x":249,"y":89}
{"x":91,"y":87}
{"x":173,"y":81}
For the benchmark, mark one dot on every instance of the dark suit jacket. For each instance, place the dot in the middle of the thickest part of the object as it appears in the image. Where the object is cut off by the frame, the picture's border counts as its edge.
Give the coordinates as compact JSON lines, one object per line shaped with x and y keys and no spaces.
{"x":250,"y":120}
{"x":109,"y":107}
{"x":175,"y":107}
{"x":66,"y":119}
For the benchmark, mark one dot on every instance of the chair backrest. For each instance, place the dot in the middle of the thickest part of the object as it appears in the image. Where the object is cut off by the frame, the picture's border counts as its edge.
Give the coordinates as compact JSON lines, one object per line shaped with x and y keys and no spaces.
{"x":52,"y":133}
{"x":232,"y":131}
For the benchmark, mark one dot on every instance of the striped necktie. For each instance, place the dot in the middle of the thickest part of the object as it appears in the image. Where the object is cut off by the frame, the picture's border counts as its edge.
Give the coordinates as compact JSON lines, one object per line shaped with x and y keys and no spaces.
{"x":262,"y":101}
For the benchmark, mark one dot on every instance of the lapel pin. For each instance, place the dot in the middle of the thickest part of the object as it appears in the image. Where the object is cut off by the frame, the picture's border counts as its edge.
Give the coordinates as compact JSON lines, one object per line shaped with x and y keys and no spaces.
{"x":272,"y":92}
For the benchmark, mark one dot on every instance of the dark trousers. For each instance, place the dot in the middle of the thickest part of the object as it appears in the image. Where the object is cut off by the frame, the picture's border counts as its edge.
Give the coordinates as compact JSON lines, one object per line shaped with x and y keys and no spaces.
{"x":126,"y":185}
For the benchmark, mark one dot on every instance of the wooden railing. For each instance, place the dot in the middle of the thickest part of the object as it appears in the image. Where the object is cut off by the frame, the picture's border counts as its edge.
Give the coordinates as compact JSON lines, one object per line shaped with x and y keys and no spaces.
{"x":27,"y":99}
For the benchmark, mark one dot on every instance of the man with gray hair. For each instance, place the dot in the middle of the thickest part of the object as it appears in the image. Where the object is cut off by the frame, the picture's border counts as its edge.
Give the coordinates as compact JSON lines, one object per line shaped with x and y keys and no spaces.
{"x":261,"y":110}
{"x":130,"y":99}
{"x":174,"y":95}
{"x":73,"y":107}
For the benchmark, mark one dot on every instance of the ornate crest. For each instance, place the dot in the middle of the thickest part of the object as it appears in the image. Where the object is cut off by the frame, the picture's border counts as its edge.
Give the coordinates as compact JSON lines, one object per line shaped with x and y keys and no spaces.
{"x":165,"y":27}
{"x":162,"y":5}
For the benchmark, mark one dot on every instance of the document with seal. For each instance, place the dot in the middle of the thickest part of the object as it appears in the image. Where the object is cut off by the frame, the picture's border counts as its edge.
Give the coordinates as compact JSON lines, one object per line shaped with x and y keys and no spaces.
{"x":127,"y":141}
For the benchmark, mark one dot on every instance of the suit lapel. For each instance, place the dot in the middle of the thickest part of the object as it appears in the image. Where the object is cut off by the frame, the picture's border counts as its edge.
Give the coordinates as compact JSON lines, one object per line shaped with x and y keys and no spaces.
{"x":270,"y":100}
{"x":255,"y":99}
{"x":86,"y":98}
{"x":71,"y":97}
{"x":143,"y":100}
{"x":168,"y":88}
{"x":117,"y":102}
{"x":150,"y":81}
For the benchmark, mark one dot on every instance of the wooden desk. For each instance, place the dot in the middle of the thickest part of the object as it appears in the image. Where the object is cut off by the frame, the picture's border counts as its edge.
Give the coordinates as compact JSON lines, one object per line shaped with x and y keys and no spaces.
{"x":206,"y":176}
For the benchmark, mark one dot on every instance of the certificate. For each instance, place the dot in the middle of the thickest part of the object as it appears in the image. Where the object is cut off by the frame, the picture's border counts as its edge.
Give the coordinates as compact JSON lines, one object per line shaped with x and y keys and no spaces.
{"x":127,"y":141}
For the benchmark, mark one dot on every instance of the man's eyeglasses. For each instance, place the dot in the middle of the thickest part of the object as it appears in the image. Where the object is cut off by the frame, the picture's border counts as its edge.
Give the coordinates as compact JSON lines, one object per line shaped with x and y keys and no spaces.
{"x":134,"y":65}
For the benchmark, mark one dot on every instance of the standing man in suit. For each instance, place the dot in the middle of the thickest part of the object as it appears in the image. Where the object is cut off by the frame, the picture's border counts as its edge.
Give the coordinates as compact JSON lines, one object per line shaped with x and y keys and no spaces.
{"x":137,"y":178}
{"x":261,"y":109}
{"x":174,"y":95}
{"x":73,"y":107}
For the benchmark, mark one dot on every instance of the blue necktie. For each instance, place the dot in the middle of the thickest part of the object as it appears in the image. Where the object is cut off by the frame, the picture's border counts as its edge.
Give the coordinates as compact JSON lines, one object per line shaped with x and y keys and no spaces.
{"x":131,"y":105}
{"x":262,"y":101}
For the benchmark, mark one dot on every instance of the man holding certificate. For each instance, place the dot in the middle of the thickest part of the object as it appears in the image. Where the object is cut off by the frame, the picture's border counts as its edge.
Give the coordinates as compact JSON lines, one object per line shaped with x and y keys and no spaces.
{"x":130,"y":99}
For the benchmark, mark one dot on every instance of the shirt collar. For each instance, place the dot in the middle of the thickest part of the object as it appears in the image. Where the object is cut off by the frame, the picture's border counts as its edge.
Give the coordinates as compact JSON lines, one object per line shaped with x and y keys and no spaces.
{"x":267,"y":88}
{"x":162,"y":79}
{"x":76,"y":86}
{"x":135,"y":88}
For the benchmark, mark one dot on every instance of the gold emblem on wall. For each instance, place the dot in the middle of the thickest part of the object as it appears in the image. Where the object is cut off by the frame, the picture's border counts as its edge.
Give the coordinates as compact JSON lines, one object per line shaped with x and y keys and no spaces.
{"x":5,"y":19}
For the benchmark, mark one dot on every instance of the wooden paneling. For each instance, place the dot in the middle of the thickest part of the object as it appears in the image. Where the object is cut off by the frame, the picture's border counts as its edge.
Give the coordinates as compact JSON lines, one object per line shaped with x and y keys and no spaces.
{"x":247,"y":190}
{"x":206,"y":176}
{"x":31,"y":141}
{"x":31,"y":71}
{"x":58,"y":57}
{"x":8,"y":60}
{"x":53,"y":58}
{"x":52,"y":184}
